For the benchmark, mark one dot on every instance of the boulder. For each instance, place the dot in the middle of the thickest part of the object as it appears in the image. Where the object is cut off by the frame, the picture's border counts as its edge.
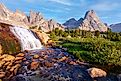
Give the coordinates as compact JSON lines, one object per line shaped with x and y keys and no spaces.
{"x":34,"y":65}
{"x":15,"y":67}
{"x":7,"y":63}
{"x":73,"y":63}
{"x":49,"y":64}
{"x":18,"y":62}
{"x":19,"y":58}
{"x":96,"y":72}
{"x":8,"y":58}
{"x":42,"y":36}
{"x":36,"y":56}
{"x":63,"y":59}
{"x":3,"y":56}
{"x":2,"y":63}
{"x":2,"y":74}
{"x":20,"y":55}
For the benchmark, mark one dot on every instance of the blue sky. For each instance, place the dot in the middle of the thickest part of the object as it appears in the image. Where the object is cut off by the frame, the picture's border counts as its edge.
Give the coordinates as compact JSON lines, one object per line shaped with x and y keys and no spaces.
{"x":109,"y":11}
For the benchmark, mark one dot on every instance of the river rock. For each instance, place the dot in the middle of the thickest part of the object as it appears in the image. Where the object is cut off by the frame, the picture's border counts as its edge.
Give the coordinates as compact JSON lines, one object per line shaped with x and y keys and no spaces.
{"x":7,"y":63}
{"x":20,"y":55}
{"x":49,"y":64}
{"x":36,"y":56}
{"x":42,"y":36}
{"x":17,"y":62}
{"x":73,"y":63}
{"x":2,"y":74}
{"x":1,"y":63}
{"x":14,"y":67}
{"x":63,"y":58}
{"x":18,"y":58}
{"x":8,"y":58}
{"x":96,"y":72}
{"x":34,"y":65}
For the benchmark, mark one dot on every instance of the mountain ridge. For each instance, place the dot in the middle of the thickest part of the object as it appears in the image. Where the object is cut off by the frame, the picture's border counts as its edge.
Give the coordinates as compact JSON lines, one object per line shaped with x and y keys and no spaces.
{"x":90,"y":22}
{"x":34,"y":19}
{"x":116,"y":27}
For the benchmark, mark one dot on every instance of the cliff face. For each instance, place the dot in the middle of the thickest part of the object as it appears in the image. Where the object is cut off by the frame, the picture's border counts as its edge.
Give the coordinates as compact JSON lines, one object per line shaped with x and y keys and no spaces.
{"x":18,"y":18}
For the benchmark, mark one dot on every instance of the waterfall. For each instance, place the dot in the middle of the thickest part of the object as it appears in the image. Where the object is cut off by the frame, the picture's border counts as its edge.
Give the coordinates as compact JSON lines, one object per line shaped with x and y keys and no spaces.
{"x":28,"y":40}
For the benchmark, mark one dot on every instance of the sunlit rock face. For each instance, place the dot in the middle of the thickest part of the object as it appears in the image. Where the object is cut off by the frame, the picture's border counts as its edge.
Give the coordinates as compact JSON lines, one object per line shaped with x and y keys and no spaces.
{"x":42,"y":36}
{"x":92,"y":22}
{"x":29,"y":41}
{"x":14,"y":18}
{"x":34,"y":19}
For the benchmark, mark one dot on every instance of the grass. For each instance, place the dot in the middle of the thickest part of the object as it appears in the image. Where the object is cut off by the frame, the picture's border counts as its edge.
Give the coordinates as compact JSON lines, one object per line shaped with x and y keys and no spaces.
{"x":98,"y":51}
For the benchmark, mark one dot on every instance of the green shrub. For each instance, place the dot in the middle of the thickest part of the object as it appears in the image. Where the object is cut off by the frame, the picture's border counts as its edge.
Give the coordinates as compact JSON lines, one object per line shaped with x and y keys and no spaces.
{"x":94,"y":50}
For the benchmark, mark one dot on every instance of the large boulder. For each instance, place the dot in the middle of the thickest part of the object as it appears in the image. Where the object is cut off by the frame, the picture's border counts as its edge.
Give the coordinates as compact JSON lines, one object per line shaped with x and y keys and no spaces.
{"x":42,"y":36}
{"x":96,"y":72}
{"x":34,"y":65}
{"x":2,"y":74}
{"x":8,"y":58}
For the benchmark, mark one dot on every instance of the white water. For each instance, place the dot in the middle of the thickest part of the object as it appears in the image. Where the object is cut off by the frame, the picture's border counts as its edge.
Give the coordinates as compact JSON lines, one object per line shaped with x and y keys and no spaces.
{"x":27,"y":38}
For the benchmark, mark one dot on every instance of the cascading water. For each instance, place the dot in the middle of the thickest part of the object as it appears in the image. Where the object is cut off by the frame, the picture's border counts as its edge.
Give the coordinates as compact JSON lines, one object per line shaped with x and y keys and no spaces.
{"x":28,"y":40}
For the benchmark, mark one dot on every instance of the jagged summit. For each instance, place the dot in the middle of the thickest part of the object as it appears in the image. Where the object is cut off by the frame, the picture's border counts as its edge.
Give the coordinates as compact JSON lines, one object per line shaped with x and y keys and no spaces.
{"x":3,"y":7}
{"x":92,"y":22}
{"x":89,"y":13}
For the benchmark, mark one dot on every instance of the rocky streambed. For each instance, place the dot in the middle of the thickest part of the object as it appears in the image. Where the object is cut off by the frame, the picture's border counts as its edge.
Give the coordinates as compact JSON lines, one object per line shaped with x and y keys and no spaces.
{"x":48,"y":65}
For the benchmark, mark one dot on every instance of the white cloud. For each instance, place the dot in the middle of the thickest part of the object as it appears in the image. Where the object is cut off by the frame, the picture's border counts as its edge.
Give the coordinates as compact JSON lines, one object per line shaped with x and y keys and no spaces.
{"x":105,"y":17}
{"x":105,"y":6}
{"x":63,"y":2}
{"x":52,"y":10}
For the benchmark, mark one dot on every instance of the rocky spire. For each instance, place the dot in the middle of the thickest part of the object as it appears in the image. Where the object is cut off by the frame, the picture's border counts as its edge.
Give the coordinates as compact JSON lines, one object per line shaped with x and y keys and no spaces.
{"x":92,"y":22}
{"x":4,"y":12}
{"x":18,"y":18}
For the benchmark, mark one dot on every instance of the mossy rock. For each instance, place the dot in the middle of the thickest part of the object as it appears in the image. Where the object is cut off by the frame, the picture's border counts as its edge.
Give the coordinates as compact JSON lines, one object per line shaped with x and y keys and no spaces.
{"x":8,"y":42}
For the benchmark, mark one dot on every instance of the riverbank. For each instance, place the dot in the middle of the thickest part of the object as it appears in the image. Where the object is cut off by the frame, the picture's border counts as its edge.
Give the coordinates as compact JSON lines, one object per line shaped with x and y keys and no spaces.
{"x":48,"y":65}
